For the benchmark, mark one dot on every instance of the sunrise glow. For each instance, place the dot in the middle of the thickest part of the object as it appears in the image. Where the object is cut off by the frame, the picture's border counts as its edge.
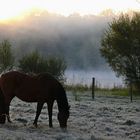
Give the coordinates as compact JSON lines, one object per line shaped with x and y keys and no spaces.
{"x":13,"y":8}
{"x":16,"y":8}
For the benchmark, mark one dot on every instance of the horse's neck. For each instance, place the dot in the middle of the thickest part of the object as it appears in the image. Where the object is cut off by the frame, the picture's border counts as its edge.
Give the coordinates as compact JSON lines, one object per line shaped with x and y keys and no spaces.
{"x":62,"y":102}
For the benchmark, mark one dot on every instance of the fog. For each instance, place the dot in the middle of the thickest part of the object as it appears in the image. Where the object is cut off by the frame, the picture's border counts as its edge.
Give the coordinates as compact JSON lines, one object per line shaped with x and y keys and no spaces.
{"x":74,"y":38}
{"x":103,"y":79}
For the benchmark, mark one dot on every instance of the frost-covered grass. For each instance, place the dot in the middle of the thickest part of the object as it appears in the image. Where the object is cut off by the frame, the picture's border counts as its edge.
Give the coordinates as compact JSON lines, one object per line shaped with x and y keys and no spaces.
{"x":105,"y":118}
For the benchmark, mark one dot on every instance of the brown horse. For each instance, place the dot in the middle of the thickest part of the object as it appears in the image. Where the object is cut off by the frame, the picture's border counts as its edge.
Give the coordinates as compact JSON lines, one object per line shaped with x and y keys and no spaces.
{"x":42,"y":88}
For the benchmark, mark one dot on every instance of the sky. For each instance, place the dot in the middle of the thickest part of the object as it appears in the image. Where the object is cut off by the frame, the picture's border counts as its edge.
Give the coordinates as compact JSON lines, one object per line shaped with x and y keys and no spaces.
{"x":16,"y":8}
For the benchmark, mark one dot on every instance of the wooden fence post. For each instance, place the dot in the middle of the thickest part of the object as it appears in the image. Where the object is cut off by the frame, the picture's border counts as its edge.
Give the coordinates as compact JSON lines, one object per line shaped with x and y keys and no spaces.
{"x":93,"y":88}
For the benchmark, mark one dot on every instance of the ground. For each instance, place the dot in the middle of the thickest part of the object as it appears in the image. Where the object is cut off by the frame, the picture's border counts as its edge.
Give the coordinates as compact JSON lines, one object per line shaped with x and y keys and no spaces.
{"x":105,"y":118}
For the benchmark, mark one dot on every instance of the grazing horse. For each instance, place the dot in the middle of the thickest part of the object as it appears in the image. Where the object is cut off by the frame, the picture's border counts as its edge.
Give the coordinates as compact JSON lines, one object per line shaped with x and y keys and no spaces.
{"x":42,"y":88}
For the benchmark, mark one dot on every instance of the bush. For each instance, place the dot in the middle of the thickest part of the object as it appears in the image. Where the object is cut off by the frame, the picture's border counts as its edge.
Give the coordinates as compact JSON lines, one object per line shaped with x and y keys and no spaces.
{"x":33,"y":63}
{"x":6,"y":57}
{"x":56,"y":67}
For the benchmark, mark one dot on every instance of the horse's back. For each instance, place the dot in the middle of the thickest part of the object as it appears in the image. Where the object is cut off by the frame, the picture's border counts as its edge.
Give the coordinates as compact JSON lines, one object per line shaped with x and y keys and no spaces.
{"x":50,"y":83}
{"x":38,"y":88}
{"x":8,"y":79}
{"x":8,"y":84}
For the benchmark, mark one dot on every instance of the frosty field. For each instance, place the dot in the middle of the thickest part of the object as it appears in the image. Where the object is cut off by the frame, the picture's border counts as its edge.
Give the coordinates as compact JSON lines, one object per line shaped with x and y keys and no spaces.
{"x":105,"y":118}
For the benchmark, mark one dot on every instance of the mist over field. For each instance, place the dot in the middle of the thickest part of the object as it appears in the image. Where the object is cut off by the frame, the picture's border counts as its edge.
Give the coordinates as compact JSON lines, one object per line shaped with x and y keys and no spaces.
{"x":74,"y":38}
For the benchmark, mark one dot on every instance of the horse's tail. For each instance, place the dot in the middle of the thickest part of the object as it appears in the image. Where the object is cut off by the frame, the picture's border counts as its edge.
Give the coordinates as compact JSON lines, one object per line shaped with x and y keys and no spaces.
{"x":1,"y":94}
{"x":2,"y":98}
{"x":2,"y":108}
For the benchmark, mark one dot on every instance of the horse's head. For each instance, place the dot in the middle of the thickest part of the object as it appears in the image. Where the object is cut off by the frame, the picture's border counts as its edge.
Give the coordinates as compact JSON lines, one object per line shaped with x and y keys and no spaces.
{"x":63,"y":117}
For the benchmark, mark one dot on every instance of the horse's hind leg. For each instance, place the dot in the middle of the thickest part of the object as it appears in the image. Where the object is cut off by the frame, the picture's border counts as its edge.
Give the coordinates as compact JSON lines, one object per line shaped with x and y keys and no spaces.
{"x":7,"y":106}
{"x":50,"y":106}
{"x":39,"y":108}
{"x":7,"y":113}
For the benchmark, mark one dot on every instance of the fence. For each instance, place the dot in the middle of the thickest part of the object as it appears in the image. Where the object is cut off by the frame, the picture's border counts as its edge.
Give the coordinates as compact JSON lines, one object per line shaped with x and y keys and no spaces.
{"x":102,"y":79}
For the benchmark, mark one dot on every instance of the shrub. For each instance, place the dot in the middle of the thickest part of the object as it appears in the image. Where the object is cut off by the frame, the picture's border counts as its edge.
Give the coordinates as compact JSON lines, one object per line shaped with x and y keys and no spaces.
{"x":34,"y":63}
{"x":6,"y":57}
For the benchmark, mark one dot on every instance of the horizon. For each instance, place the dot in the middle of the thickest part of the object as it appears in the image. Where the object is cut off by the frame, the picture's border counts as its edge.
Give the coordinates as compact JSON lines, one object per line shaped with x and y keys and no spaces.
{"x":17,"y":9}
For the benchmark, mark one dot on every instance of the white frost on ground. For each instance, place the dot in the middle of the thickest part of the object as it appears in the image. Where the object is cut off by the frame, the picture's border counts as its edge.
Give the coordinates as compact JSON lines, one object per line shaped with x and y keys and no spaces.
{"x":105,"y":118}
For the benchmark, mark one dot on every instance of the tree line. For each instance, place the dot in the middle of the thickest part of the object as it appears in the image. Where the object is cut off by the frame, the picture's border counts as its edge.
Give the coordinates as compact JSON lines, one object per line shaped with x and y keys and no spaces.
{"x":32,"y":63}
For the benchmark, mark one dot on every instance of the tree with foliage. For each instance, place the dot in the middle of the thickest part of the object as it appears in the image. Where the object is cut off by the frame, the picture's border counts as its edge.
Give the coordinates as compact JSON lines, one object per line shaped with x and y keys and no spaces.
{"x":6,"y":57}
{"x":57,"y":67}
{"x":34,"y":63}
{"x":121,"y":47}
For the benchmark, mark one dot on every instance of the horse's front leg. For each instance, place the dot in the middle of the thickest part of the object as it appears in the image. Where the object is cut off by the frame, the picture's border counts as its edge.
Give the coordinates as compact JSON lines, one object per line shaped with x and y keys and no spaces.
{"x":50,"y":106}
{"x":7,"y":113}
{"x":39,"y":108}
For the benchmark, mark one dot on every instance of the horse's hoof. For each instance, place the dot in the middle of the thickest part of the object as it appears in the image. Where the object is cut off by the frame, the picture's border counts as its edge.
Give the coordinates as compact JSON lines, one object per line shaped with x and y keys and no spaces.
{"x":64,"y":129}
{"x":35,"y":124}
{"x":50,"y":126}
{"x":9,"y":121}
